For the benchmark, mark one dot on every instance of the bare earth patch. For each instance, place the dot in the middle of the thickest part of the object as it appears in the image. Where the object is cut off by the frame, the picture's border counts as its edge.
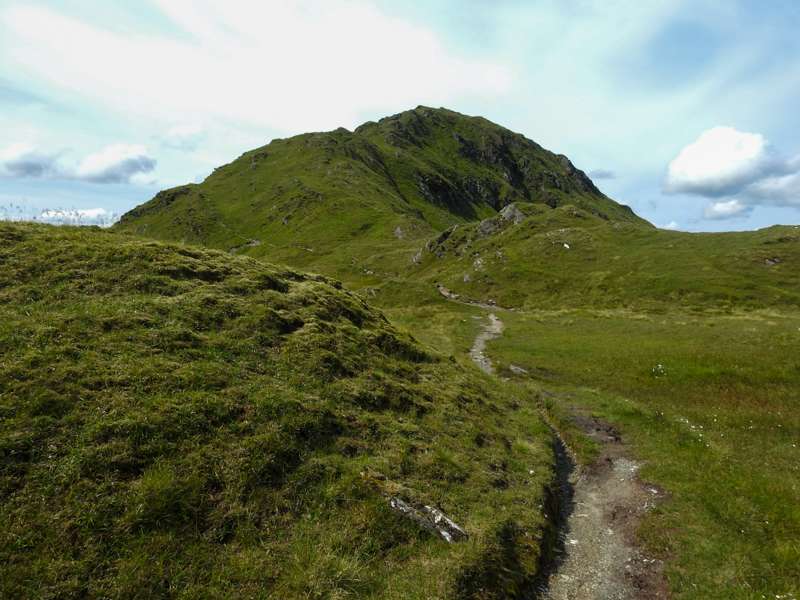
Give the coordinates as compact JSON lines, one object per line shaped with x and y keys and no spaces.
{"x":489,"y":332}
{"x":600,"y":559}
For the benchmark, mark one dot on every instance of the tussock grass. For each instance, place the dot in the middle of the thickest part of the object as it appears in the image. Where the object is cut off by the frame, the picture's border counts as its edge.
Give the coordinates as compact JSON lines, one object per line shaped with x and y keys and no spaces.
{"x":177,"y":422}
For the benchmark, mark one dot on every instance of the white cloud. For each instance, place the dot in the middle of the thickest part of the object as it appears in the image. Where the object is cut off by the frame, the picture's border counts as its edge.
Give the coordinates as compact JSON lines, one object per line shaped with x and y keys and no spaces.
{"x":117,"y":163}
{"x":719,"y":163}
{"x":289,"y":66}
{"x":725,"y":209}
{"x":737,"y":170}
{"x":671,"y":225}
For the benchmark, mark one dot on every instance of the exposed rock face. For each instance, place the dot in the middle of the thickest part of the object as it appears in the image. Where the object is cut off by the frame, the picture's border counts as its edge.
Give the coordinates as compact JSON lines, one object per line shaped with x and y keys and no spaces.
{"x":447,"y":293}
{"x":508,"y":215}
{"x":437,"y":245}
{"x":489,"y":227}
{"x":247,"y":244}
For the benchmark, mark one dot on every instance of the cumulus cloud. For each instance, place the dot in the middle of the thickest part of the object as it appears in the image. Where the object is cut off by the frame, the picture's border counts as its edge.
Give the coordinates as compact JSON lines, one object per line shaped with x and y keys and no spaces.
{"x":118,"y":163}
{"x":726,"y":209}
{"x":23,"y":160}
{"x":737,"y":170}
{"x":672,"y":225}
{"x":720,"y":163}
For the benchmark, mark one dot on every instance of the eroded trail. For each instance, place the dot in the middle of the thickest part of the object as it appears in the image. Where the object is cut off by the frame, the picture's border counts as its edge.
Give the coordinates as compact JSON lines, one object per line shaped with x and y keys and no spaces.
{"x":596,"y":556}
{"x":600,"y":559}
{"x":490,"y":331}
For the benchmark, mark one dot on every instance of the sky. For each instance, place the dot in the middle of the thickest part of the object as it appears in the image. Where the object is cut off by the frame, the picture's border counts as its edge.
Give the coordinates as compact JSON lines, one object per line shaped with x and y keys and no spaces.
{"x":686,"y":110}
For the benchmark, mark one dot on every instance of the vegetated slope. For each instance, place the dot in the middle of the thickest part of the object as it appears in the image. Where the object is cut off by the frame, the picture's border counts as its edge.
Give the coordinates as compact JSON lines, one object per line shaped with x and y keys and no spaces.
{"x":178,"y":422}
{"x":549,"y":259}
{"x":328,"y":199}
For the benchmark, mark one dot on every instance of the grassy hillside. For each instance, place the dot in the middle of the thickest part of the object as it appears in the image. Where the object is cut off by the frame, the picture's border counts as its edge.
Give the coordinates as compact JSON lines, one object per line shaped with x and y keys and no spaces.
{"x":177,"y":422}
{"x":541,"y":258}
{"x":710,"y":402}
{"x":707,"y":400}
{"x":330,"y":200}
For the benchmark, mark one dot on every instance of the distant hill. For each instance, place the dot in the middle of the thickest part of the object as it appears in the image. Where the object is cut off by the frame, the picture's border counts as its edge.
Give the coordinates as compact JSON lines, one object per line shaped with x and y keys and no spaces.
{"x":324,"y":199}
{"x":430,"y":196}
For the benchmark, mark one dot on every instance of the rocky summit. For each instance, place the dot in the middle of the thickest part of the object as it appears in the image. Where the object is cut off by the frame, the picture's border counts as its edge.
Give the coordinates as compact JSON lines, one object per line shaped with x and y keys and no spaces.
{"x":322,"y":197}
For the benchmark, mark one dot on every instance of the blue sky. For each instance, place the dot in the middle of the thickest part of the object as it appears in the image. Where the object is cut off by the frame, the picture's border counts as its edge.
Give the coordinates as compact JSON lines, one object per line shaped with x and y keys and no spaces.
{"x":685,"y":110}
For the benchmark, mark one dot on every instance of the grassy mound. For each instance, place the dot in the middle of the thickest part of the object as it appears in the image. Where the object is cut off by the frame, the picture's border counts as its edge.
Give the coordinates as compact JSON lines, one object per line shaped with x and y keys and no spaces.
{"x":177,"y":422}
{"x":540,"y":258}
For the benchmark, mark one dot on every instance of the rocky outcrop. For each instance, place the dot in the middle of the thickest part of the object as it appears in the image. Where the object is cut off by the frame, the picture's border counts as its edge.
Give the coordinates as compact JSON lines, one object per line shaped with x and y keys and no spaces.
{"x":512,"y":213}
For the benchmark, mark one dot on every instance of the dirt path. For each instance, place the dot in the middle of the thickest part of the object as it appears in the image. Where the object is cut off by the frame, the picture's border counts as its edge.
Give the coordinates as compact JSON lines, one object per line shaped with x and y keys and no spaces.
{"x":493,"y":329}
{"x":596,"y":555}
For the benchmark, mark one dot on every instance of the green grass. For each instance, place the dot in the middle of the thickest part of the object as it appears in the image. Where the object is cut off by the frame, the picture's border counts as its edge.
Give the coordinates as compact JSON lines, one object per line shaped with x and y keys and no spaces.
{"x":710,"y":403}
{"x":177,"y":422}
{"x":351,"y":203}
{"x":566,"y":258}
{"x":707,"y":400}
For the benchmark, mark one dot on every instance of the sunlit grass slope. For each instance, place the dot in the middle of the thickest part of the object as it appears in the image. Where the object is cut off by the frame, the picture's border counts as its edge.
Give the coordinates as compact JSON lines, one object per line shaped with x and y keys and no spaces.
{"x":177,"y":422}
{"x":711,"y":403}
{"x":331,"y":200}
{"x":565,"y":257}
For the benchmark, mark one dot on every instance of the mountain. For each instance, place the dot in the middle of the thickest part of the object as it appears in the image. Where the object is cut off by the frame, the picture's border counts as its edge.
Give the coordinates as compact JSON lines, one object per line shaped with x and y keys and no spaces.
{"x":430,"y":196}
{"x":323,"y":200}
{"x":175,"y":418}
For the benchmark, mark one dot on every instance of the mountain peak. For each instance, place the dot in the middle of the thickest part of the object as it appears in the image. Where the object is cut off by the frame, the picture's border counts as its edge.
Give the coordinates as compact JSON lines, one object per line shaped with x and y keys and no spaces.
{"x":419,"y":171}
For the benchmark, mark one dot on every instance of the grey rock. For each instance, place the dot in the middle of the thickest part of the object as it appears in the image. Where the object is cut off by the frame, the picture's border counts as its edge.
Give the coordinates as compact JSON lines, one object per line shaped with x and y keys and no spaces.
{"x":247,"y":244}
{"x":517,"y":370}
{"x":513,"y":214}
{"x":430,"y":518}
{"x":446,"y":292}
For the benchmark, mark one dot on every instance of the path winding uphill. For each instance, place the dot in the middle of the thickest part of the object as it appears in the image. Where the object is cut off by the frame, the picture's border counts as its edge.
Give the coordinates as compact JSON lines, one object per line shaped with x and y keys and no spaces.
{"x":602,"y":503}
{"x":490,"y":331}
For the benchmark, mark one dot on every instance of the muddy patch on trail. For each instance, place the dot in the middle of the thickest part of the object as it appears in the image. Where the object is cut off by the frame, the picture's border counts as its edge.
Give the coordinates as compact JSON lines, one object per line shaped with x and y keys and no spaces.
{"x":597,"y":555}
